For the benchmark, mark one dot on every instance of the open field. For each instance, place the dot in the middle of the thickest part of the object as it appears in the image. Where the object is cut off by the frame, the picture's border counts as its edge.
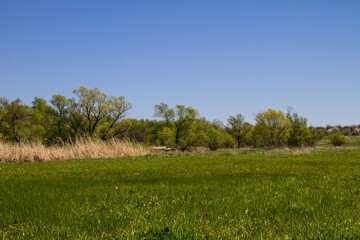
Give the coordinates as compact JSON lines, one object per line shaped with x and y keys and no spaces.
{"x":250,"y":194}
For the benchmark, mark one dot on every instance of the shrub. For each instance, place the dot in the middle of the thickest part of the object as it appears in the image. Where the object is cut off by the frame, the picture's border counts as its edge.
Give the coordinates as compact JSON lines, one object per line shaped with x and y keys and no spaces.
{"x":338,"y":139}
{"x":315,"y":136}
{"x":215,"y":139}
{"x":346,"y":132}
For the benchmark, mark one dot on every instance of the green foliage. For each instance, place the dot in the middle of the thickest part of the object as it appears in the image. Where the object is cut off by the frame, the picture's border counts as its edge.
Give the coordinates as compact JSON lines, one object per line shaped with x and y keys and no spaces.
{"x":181,"y":122}
{"x":61,"y":116}
{"x":239,"y":129}
{"x":215,"y":139}
{"x":338,"y":139}
{"x":92,"y":113}
{"x":96,"y":107}
{"x":299,"y":132}
{"x":216,"y":136}
{"x":272,"y":129}
{"x":315,"y":136}
{"x":134,"y":130}
{"x":15,"y":120}
{"x":166,"y":137}
{"x":195,"y":136}
{"x":42,"y":122}
{"x":300,"y":135}
{"x":168,"y":114}
{"x":346,"y":132}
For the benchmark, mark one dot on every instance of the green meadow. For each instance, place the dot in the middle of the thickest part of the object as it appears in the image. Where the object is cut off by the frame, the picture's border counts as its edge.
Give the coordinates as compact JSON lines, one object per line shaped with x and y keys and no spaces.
{"x":245,"y":194}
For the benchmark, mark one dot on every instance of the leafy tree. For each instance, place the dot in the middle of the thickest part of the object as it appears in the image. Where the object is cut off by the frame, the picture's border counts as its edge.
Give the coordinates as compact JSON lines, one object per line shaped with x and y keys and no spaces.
{"x":76,"y":119}
{"x":21,"y":123}
{"x":216,"y":135}
{"x":97,"y":108}
{"x":61,"y":115}
{"x":117,"y":108}
{"x":153,"y":130}
{"x":185,"y":117}
{"x":214,"y":138}
{"x":166,"y":137}
{"x":93,"y":105}
{"x":299,"y":133}
{"x":15,"y":117}
{"x":3,"y":112}
{"x":195,"y":135}
{"x":180,"y":120}
{"x":315,"y":136}
{"x":168,"y":114}
{"x":239,"y":129}
{"x":40,"y":121}
{"x":272,"y":128}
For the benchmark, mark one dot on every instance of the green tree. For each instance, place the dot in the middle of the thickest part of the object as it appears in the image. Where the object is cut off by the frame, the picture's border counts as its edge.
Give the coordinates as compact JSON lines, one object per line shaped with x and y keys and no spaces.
{"x":195,"y":135}
{"x":272,"y":128}
{"x":98,"y":108}
{"x":239,"y":129}
{"x":134,"y":130}
{"x":93,"y":105}
{"x":76,"y":119}
{"x":15,"y":117}
{"x":40,"y":128}
{"x":315,"y":136}
{"x":180,"y":120}
{"x":185,"y":117}
{"x":3,"y":123}
{"x":166,"y":137}
{"x":168,"y":114}
{"x":61,"y":115}
{"x":299,"y":133}
{"x":117,"y":108}
{"x":214,"y":138}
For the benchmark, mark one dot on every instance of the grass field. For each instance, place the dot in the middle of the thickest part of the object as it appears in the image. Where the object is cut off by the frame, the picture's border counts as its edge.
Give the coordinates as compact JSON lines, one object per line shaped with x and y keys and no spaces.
{"x":253,"y":194}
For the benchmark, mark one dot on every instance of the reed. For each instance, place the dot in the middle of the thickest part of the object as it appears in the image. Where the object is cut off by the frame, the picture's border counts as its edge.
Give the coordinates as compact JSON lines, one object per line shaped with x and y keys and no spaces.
{"x":79,"y":149}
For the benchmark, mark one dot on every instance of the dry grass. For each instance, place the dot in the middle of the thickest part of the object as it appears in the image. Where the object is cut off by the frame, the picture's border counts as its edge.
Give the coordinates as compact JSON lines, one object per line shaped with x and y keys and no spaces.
{"x":81,"y":149}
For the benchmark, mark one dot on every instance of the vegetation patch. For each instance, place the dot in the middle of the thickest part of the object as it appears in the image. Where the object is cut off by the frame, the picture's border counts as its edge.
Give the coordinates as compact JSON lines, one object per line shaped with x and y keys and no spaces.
{"x":81,"y":149}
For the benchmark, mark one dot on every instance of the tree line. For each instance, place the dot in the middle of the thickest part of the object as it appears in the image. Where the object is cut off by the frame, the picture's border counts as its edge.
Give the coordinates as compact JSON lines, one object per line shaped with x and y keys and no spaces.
{"x":92,"y":113}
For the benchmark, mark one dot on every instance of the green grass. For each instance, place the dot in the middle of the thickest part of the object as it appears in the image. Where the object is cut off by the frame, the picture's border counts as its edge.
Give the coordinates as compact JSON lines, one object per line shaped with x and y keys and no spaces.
{"x":222,"y":195}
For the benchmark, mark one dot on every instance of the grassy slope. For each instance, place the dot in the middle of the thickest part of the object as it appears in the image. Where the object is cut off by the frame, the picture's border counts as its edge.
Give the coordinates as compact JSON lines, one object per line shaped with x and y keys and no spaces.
{"x":212,"y":195}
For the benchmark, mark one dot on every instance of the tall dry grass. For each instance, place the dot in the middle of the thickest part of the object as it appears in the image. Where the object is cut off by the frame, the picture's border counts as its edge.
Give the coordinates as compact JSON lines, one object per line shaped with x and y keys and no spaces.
{"x":81,"y":149}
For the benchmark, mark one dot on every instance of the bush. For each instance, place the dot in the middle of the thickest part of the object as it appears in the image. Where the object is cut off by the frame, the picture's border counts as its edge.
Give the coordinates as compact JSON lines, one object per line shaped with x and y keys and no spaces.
{"x":346,"y":132}
{"x":338,"y":139}
{"x":315,"y":136}
{"x":215,"y":139}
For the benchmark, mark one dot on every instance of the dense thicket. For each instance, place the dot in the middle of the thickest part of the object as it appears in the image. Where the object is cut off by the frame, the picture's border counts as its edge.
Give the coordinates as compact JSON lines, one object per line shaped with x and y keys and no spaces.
{"x":92,"y":113}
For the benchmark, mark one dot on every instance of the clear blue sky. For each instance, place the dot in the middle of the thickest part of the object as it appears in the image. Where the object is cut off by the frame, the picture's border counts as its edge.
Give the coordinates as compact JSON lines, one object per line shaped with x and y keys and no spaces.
{"x":220,"y":57}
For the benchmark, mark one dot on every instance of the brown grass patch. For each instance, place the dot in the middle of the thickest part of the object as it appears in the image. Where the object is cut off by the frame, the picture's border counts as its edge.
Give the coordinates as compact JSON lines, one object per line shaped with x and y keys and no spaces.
{"x":81,"y":149}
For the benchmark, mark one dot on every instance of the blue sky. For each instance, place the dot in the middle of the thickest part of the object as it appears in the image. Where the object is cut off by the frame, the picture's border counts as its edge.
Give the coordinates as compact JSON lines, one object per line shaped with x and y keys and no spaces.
{"x":220,"y":57}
